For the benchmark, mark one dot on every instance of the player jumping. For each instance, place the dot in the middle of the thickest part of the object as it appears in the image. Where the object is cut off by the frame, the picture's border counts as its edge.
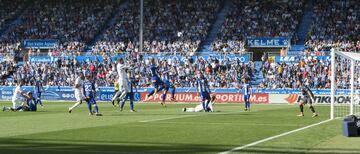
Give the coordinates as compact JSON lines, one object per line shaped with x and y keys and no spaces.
{"x":309,"y":98}
{"x":158,"y":84}
{"x":78,"y":91}
{"x":90,"y":94}
{"x":123,"y":81}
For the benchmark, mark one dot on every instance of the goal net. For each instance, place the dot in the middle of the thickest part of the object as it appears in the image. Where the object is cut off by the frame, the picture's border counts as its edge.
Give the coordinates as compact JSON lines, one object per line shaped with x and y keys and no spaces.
{"x":345,"y":79}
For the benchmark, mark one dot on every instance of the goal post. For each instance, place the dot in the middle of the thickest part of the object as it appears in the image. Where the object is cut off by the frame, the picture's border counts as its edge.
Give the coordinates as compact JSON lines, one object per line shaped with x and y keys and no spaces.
{"x":345,"y":75}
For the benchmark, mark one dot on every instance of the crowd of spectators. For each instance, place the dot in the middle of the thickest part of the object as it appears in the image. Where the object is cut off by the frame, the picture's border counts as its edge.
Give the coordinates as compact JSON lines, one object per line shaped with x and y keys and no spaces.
{"x":335,"y":24}
{"x":220,"y":73}
{"x":72,"y":22}
{"x":309,"y":71}
{"x":249,"y":18}
{"x":169,"y":26}
{"x":9,"y":10}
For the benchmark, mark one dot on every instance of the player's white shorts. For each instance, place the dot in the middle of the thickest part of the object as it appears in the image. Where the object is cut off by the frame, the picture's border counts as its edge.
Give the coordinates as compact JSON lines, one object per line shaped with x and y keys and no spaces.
{"x":17,"y":102}
{"x":78,"y":95}
{"x":124,"y":85}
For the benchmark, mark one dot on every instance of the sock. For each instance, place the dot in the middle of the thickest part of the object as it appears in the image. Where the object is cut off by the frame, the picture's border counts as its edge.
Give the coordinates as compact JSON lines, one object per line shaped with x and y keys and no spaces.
{"x":89,"y":107}
{"x":207,"y":104}
{"x":96,"y":108}
{"x":312,"y":109}
{"x":122,"y":103}
{"x":173,"y":93}
{"x":204,"y":106}
{"x":301,"y":108}
{"x":39,"y":102}
{"x":248,"y":104}
{"x":75,"y":105}
{"x":131,"y":105}
{"x":163,"y":97}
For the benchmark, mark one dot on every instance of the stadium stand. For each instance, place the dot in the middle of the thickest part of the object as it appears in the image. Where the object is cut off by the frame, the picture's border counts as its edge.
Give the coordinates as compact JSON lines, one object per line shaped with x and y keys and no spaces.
{"x":170,"y":26}
{"x":249,"y":18}
{"x":174,"y":26}
{"x":335,"y":24}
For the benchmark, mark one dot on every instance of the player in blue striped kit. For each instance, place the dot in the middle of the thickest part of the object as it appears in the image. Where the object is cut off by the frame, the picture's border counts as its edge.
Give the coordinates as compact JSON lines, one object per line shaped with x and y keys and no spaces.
{"x":158,"y":84}
{"x":247,"y":91}
{"x":129,"y":95}
{"x":38,"y":88}
{"x":90,"y":94}
{"x":167,"y":85}
{"x":204,"y":90}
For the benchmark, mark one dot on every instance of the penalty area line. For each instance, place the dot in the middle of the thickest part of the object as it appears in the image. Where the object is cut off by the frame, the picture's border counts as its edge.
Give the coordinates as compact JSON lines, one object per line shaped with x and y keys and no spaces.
{"x":273,"y":137}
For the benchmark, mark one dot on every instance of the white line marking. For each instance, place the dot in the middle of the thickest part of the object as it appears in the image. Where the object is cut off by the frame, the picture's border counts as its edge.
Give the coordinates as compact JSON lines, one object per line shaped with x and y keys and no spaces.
{"x":226,"y":123}
{"x":273,"y":137}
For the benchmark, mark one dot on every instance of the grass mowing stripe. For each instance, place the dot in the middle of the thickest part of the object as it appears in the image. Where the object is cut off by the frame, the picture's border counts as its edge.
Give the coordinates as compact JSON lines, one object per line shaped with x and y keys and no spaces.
{"x":65,"y":150}
{"x":274,"y":137}
{"x":237,"y":124}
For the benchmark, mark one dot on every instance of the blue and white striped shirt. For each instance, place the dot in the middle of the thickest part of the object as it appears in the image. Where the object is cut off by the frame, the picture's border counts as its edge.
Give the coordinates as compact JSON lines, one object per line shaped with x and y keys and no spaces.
{"x":202,"y":85}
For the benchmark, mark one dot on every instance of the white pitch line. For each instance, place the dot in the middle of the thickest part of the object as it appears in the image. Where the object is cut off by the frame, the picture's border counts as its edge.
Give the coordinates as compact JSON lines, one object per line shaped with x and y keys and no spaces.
{"x":273,"y":137}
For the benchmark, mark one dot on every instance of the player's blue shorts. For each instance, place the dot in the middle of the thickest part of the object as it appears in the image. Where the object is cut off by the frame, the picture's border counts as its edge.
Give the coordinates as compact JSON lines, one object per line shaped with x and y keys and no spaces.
{"x":204,"y":96}
{"x":32,"y":107}
{"x":156,"y":81}
{"x":92,"y":100}
{"x":129,"y":95}
{"x":246,"y":97}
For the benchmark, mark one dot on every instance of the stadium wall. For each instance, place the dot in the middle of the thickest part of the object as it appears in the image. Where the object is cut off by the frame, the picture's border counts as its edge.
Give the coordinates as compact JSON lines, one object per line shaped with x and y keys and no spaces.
{"x":223,"y":95}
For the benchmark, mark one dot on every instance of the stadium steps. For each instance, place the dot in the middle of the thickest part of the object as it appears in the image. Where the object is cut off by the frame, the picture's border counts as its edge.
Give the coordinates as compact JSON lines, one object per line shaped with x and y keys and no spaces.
{"x":216,"y":27}
{"x":17,"y":20}
{"x":305,"y":23}
{"x":111,"y":22}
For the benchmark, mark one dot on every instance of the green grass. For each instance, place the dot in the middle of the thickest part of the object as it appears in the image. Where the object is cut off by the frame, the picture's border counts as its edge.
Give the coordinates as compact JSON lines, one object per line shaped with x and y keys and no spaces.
{"x":154,"y":129}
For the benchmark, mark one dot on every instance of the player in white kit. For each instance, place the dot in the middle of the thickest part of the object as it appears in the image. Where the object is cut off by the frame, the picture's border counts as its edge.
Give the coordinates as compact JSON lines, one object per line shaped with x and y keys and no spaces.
{"x":200,"y":108}
{"x":18,"y":98}
{"x":123,"y":81}
{"x":78,"y":91}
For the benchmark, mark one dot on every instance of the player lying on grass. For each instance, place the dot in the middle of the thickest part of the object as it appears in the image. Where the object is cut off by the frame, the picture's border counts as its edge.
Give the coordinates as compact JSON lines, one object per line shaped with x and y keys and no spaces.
{"x":200,"y":108}
{"x":31,"y":103}
{"x":308,"y":99}
{"x":90,"y":94}
{"x":18,"y":99}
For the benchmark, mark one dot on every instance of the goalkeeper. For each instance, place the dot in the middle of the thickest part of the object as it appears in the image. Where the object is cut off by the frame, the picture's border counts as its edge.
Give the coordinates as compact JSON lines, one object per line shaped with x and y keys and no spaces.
{"x":309,"y":98}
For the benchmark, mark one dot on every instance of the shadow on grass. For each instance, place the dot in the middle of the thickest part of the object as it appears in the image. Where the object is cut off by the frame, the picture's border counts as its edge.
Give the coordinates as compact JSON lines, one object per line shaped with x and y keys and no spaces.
{"x":19,"y":146}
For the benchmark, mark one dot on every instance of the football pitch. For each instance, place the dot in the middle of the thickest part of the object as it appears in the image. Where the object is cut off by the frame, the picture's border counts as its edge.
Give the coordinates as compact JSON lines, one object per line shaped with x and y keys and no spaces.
{"x":155,"y":129}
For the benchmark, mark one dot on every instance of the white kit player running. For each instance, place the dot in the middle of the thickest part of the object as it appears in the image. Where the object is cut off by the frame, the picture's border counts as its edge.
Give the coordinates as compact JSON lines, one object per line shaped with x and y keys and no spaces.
{"x":78,"y":91}
{"x":123,"y":81}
